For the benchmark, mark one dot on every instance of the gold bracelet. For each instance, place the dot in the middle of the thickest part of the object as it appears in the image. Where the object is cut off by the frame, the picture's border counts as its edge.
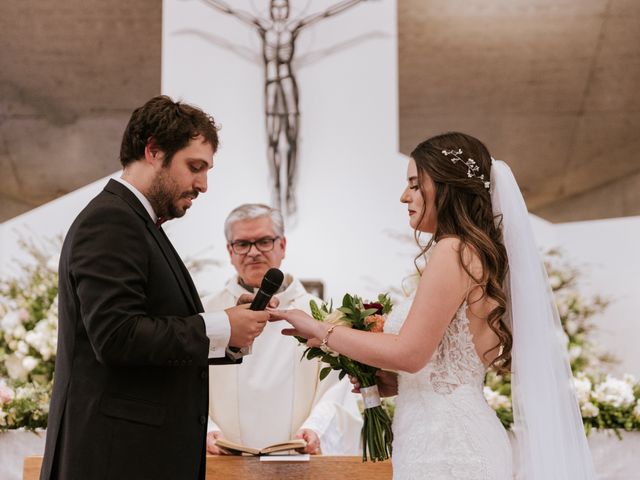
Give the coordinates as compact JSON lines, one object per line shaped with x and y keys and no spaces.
{"x":326,"y":337}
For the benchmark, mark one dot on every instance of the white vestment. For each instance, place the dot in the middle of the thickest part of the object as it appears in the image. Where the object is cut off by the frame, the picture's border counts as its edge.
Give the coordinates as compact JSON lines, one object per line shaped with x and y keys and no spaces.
{"x":273,"y":394}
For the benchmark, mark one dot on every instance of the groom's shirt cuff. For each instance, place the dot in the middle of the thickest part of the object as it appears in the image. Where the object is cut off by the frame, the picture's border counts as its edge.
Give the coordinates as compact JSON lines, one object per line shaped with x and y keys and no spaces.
{"x":218,"y":330}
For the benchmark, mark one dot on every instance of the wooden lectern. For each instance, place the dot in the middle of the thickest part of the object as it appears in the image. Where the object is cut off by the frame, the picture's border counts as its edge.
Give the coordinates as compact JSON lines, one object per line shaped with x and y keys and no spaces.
{"x":251,"y":468}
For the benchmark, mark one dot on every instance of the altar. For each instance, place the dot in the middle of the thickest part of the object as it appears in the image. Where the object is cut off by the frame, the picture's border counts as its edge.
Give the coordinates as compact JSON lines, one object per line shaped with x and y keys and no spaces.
{"x":615,"y":459}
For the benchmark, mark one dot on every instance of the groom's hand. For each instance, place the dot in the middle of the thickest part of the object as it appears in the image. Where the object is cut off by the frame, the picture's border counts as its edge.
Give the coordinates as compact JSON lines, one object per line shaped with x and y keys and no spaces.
{"x":245,"y":324}
{"x":248,"y":298}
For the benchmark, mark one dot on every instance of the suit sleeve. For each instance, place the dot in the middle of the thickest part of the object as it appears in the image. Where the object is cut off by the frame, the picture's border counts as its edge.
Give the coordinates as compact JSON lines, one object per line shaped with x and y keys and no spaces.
{"x":109,"y":264}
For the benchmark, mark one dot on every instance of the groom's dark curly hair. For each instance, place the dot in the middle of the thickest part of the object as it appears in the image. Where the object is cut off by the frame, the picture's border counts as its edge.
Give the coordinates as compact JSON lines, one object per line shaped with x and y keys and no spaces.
{"x":463,"y":206}
{"x":166,"y":125}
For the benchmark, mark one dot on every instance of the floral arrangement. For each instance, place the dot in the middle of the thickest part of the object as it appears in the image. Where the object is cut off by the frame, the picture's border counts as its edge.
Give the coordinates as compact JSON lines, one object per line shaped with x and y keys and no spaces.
{"x":25,"y":406}
{"x":28,"y":337}
{"x":605,"y":402}
{"x":354,"y":313}
{"x":28,"y":340}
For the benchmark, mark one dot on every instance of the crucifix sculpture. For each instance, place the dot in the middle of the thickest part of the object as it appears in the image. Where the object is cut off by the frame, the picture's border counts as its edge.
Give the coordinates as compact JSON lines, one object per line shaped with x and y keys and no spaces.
{"x":278,"y":34}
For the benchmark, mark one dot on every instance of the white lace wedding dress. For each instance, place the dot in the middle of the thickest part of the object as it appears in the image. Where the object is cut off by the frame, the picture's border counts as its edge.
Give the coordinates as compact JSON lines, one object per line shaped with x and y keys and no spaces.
{"x":443,"y":427}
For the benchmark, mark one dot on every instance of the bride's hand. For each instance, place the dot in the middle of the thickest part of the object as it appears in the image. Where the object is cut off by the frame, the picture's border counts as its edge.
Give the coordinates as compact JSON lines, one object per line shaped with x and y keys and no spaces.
{"x":387,"y":383}
{"x":303,"y":325}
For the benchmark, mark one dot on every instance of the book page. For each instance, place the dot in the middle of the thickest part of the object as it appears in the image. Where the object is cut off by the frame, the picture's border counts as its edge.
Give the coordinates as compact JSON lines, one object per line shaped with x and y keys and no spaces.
{"x":289,"y":445}
{"x":236,"y":448}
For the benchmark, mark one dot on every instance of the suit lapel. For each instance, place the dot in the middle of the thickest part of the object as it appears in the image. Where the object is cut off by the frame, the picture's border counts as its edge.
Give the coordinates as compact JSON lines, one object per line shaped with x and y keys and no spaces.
{"x":171,"y":256}
{"x":186,"y":275}
{"x":178,"y":268}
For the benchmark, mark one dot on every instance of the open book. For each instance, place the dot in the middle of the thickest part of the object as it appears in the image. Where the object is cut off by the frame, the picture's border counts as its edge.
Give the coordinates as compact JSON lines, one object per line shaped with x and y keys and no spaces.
{"x":237,"y":449}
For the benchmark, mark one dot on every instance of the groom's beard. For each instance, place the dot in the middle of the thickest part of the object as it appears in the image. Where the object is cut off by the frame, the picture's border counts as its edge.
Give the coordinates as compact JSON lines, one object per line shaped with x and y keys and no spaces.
{"x":164,"y":194}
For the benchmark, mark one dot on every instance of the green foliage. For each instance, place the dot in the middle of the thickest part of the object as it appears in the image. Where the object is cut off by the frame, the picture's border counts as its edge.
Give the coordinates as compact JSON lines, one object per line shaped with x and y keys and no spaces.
{"x":29,"y":409}
{"x":28,"y":338}
{"x":605,"y":402}
{"x":376,"y":432}
{"x":385,"y":300}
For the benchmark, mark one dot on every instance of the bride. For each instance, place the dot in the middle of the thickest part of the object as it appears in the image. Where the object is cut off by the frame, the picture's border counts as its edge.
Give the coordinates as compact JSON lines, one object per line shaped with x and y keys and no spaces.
{"x":482,"y":301}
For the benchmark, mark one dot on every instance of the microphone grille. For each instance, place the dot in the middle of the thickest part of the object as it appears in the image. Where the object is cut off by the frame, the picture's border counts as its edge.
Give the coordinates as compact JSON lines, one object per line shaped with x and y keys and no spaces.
{"x":272,"y":281}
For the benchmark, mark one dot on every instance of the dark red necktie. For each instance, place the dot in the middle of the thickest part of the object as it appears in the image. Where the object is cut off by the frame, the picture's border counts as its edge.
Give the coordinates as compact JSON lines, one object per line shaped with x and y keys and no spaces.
{"x":160,"y":221}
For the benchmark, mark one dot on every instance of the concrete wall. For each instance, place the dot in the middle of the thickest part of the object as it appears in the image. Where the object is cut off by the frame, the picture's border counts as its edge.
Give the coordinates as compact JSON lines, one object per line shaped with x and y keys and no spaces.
{"x":71,"y":71}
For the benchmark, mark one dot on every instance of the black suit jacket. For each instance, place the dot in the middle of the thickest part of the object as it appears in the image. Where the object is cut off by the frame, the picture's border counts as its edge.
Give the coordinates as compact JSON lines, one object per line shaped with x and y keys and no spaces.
{"x":130,"y":390}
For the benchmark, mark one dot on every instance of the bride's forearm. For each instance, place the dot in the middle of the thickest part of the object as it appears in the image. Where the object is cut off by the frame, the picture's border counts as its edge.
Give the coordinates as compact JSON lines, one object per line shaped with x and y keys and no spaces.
{"x":382,"y":350}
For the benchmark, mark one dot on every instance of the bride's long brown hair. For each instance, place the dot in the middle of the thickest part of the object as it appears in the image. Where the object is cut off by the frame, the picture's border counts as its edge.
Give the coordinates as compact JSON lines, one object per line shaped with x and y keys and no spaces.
{"x":463,"y":209}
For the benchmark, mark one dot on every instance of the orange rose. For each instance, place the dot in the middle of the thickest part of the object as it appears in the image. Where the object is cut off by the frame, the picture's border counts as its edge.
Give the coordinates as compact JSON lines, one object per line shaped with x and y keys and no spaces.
{"x":377,"y":321}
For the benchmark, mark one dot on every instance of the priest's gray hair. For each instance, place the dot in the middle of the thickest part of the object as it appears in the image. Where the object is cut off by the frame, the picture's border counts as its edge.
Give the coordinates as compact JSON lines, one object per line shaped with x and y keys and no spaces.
{"x":251,"y":211}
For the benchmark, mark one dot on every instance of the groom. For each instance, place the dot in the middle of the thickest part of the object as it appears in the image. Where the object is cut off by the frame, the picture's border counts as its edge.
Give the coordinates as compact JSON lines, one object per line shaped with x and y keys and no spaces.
{"x":131,"y":382}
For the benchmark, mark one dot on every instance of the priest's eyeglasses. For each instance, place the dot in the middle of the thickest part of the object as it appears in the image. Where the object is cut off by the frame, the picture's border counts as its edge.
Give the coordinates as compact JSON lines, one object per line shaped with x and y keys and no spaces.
{"x":264,"y":244}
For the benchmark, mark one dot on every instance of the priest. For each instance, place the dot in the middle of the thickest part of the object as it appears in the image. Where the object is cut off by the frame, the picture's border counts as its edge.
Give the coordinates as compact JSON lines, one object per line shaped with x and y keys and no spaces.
{"x":273,"y":396}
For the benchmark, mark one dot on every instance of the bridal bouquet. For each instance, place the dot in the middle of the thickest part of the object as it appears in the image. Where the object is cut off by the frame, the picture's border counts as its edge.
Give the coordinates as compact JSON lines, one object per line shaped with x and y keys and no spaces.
{"x":354,"y":313}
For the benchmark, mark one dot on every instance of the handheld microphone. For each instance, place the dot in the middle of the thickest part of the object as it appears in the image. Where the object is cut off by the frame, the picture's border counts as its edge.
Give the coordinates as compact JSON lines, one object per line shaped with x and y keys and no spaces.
{"x":271,"y":283}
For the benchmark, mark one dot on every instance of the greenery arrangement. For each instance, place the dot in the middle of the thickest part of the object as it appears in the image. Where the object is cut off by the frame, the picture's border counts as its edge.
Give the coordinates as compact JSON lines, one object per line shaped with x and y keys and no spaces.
{"x":28,"y":337}
{"x":606,"y":402}
{"x":377,"y":435}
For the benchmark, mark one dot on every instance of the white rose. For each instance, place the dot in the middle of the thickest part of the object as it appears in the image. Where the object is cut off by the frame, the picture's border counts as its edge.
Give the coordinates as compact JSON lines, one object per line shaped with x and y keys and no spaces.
{"x":10,"y":320}
{"x":6,"y":393}
{"x":555,"y":281}
{"x":24,"y":392}
{"x":45,"y":353}
{"x":23,"y":348}
{"x":630,"y":379}
{"x":36,"y":338}
{"x":29,"y":363}
{"x":575,"y":352}
{"x":19,"y":331}
{"x":495,"y":399}
{"x":571,"y":326}
{"x":589,"y":410}
{"x":489,"y":394}
{"x":336,"y":318}
{"x":503,"y":401}
{"x":31,"y":337}
{"x":583,"y":388}
{"x":14,"y":368}
{"x":614,"y":392}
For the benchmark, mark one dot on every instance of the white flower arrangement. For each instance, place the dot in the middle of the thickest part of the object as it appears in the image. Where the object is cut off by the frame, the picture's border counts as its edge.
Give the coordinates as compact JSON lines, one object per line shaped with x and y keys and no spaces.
{"x":589,"y":410}
{"x":496,"y":400}
{"x":28,"y":340}
{"x":614,"y":392}
{"x":605,"y":402}
{"x":583,"y":387}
